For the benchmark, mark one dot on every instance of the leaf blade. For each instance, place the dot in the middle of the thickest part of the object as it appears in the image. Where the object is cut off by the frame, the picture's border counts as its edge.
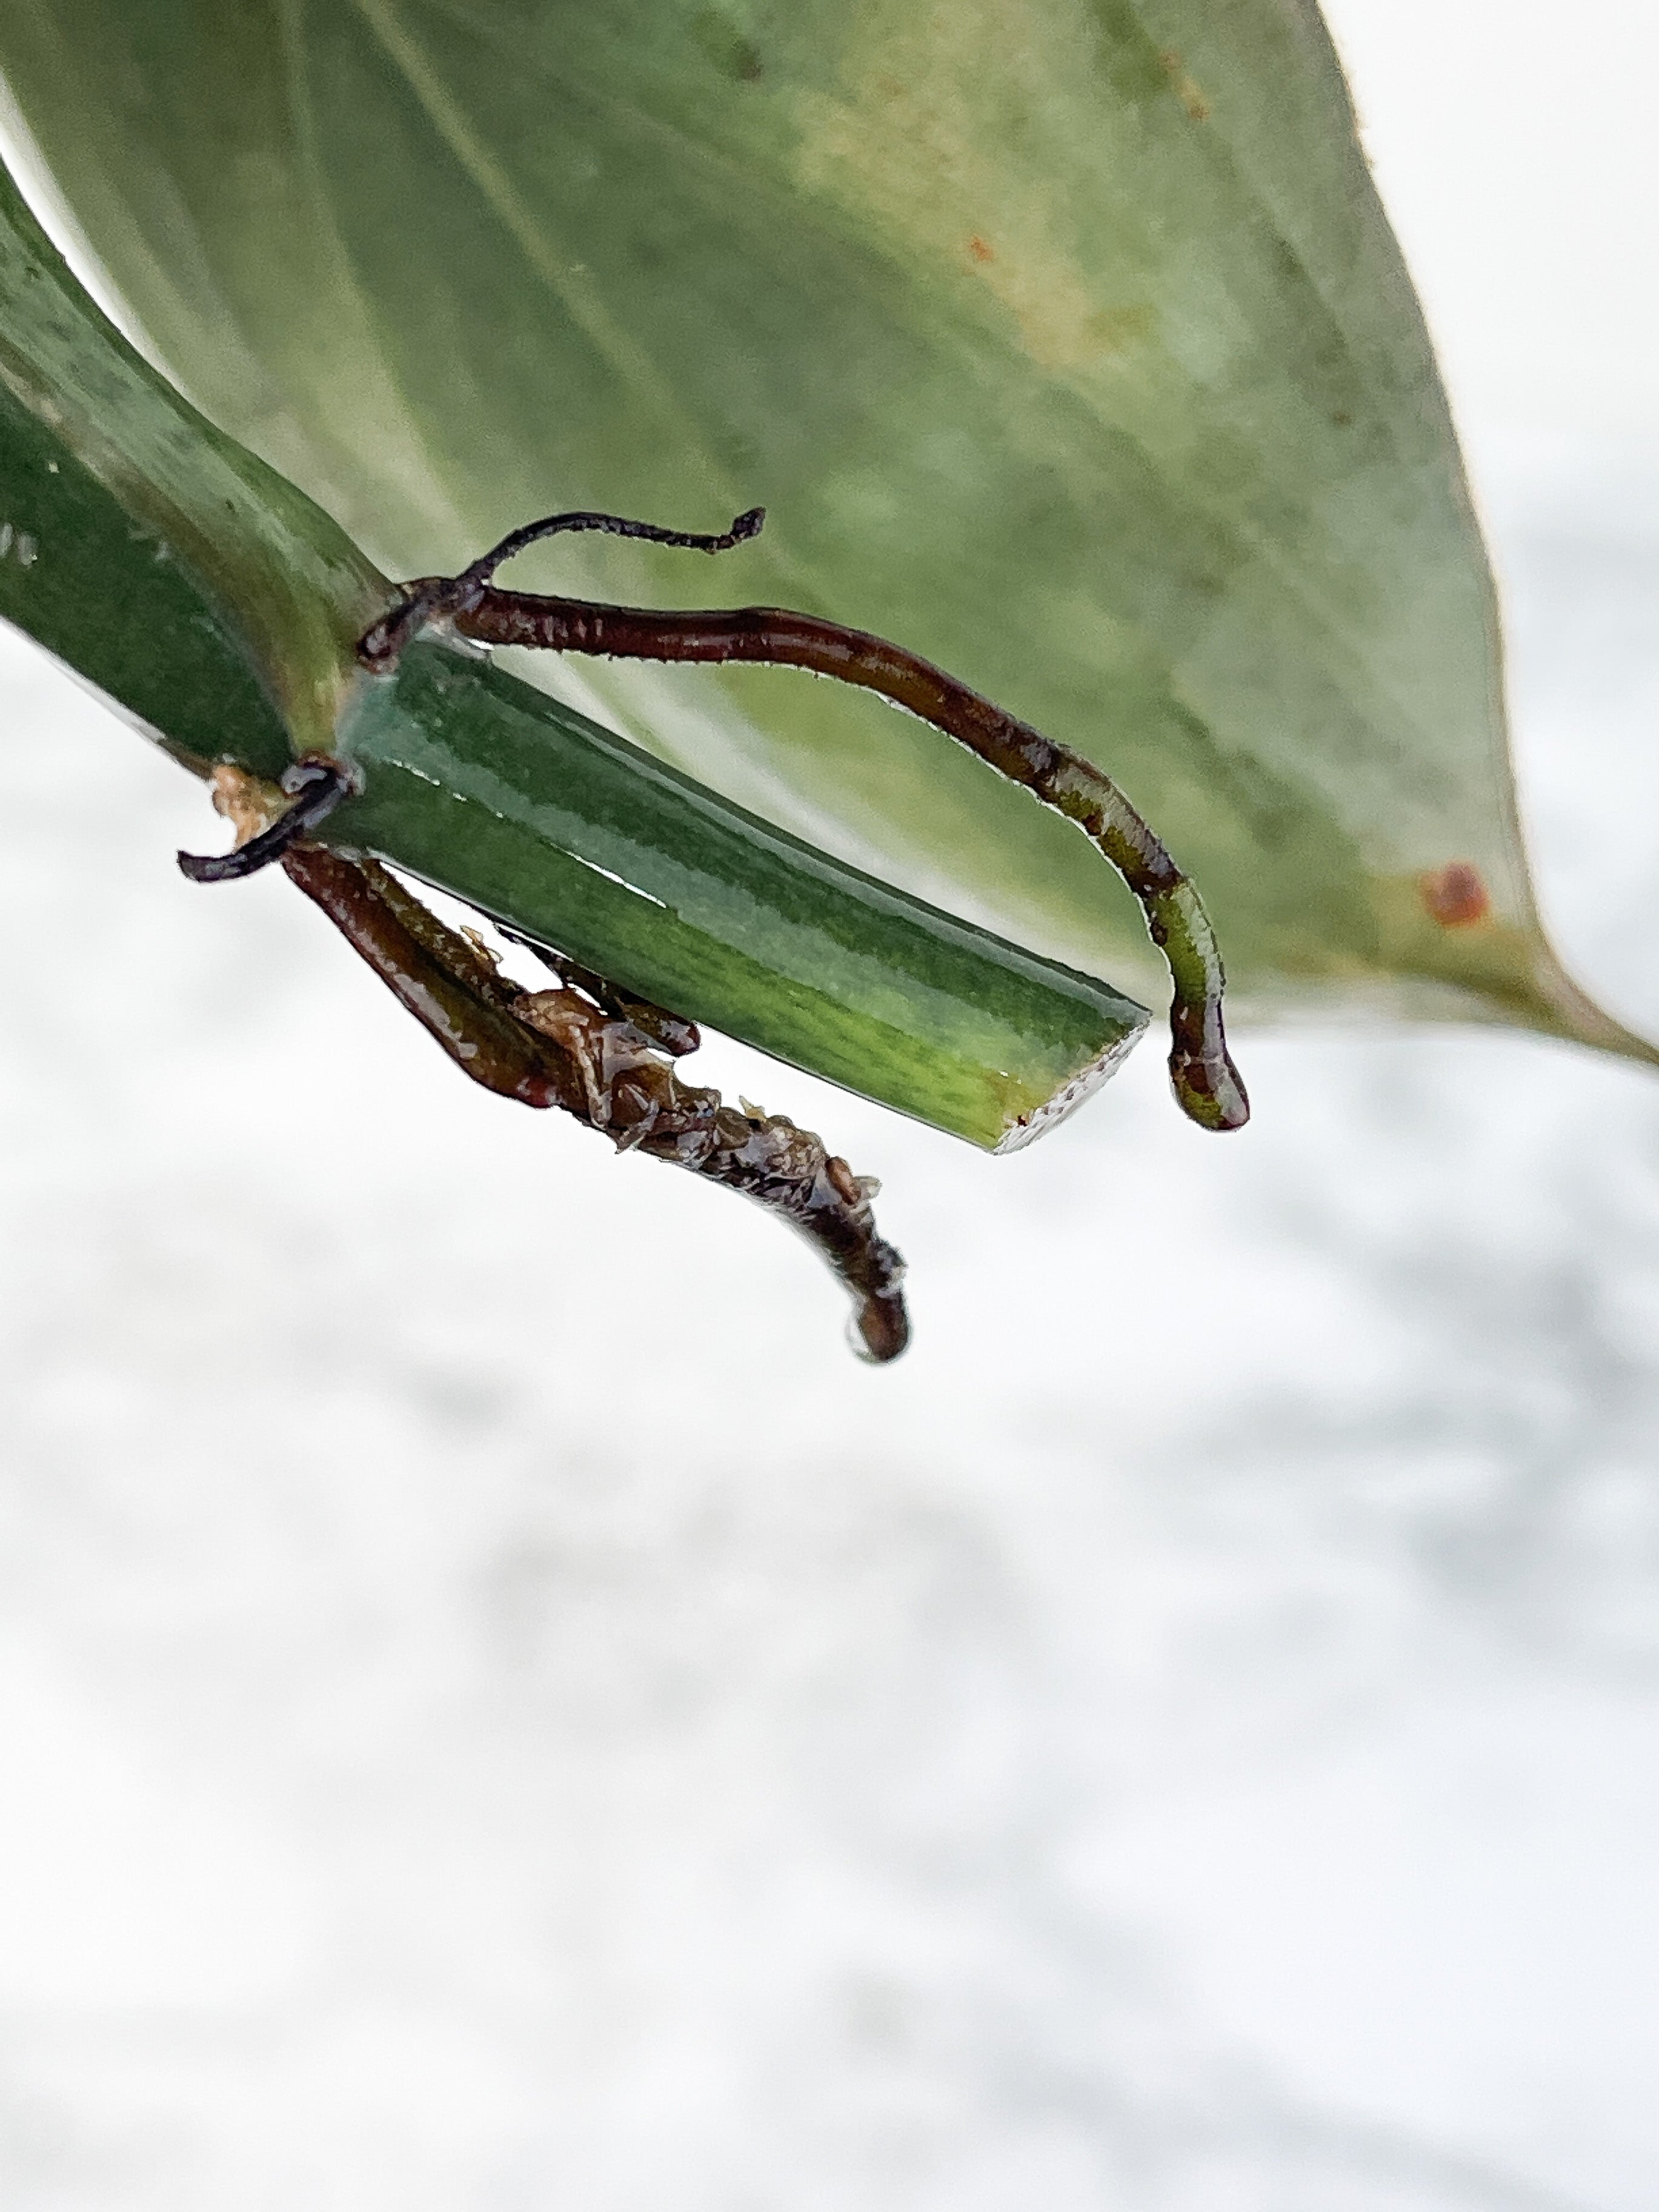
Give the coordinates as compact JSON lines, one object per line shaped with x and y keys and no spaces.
{"x":1066,"y":342}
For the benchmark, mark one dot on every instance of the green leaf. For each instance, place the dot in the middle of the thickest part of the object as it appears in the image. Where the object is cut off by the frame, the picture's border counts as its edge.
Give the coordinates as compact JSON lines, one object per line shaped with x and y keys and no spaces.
{"x":1064,"y":339}
{"x":203,"y":595}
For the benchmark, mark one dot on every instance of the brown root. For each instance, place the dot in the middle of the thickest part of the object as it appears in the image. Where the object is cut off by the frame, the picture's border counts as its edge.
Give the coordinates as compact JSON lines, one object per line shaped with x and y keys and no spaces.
{"x":560,"y":1049}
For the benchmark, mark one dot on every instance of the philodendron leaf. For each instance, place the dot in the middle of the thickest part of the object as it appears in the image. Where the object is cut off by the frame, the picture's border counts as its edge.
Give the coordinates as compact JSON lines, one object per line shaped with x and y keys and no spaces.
{"x":220,"y":609}
{"x":1065,"y":339}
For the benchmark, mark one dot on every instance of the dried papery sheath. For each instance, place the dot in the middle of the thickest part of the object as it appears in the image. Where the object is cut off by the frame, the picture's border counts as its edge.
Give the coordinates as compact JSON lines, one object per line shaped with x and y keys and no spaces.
{"x":315,"y":787}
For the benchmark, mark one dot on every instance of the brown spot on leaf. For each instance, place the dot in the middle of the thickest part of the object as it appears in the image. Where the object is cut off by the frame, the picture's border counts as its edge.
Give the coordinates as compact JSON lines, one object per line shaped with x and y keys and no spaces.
{"x":1197,"y":106}
{"x":980,"y":250}
{"x":1456,"y":895}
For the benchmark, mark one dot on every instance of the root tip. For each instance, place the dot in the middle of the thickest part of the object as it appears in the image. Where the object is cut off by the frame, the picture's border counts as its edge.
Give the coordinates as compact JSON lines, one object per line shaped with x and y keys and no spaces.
{"x":1211,"y":1093}
{"x":881,"y":1329}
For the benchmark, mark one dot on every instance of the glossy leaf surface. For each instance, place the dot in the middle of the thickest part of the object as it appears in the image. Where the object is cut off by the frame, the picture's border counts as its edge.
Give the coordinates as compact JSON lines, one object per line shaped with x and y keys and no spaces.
{"x":1064,"y":340}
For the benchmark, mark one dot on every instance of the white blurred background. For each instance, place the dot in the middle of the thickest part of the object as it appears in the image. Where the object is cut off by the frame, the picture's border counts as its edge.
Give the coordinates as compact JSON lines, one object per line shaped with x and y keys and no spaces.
{"x":497,"y":1709}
